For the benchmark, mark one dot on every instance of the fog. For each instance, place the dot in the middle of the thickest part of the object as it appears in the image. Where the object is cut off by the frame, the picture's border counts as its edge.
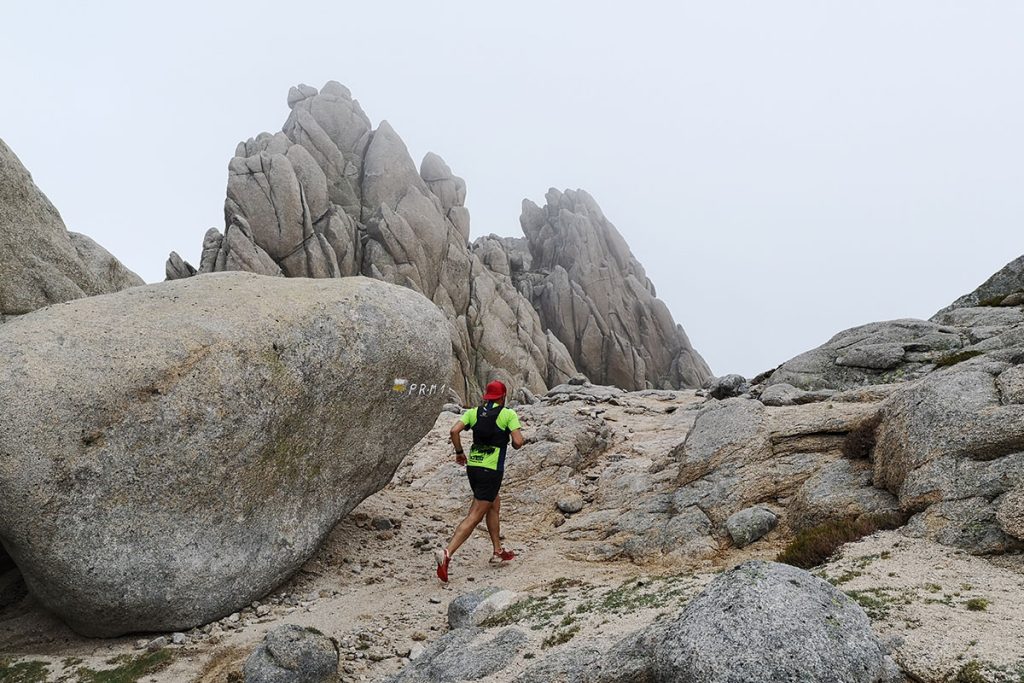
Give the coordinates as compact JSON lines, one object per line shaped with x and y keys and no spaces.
{"x":783,"y":170}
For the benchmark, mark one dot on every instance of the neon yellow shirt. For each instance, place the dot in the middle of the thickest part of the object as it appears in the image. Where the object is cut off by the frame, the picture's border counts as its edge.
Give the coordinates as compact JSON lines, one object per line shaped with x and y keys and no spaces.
{"x":490,"y":457}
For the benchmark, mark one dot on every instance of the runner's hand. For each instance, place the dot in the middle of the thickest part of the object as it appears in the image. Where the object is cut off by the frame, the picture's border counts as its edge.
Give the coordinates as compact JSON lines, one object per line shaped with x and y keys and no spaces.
{"x":460,"y":458}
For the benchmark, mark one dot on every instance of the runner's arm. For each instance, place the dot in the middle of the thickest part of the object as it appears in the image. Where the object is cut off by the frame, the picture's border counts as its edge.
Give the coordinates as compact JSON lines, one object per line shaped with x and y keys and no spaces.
{"x":517,"y":439}
{"x":460,"y":456}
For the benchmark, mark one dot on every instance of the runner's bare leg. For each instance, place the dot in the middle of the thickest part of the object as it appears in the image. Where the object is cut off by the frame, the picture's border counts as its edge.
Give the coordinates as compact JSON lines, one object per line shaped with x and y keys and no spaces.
{"x":493,"y":525}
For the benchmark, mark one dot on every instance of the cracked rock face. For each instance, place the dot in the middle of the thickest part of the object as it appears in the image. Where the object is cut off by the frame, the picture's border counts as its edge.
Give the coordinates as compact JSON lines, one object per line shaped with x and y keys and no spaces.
{"x":595,"y":296}
{"x":186,"y":449}
{"x":41,"y":263}
{"x":330,"y":196}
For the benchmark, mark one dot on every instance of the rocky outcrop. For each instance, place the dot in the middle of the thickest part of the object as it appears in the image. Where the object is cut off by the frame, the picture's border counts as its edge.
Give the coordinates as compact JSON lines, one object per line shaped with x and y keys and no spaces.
{"x":1005,"y":288}
{"x":41,"y":263}
{"x":951,"y":447}
{"x":595,"y":296}
{"x":330,"y":196}
{"x":877,"y":353}
{"x":189,"y":446}
{"x":991,"y":318}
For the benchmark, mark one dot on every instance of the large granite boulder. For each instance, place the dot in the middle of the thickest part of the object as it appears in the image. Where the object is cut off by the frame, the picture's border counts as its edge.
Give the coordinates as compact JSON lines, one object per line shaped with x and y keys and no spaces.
{"x":763,"y":621}
{"x":595,"y":296}
{"x":760,"y":621}
{"x":41,"y":263}
{"x":951,"y":448}
{"x":172,"y":452}
{"x":329,"y":196}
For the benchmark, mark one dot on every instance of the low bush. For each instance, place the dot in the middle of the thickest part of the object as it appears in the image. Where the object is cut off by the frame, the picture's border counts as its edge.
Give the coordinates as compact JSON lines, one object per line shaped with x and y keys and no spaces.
{"x":813,"y":546}
{"x":978,"y":604}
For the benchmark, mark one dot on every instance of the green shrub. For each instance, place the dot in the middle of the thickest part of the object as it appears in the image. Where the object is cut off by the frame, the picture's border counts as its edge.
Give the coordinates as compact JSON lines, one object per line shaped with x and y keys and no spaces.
{"x":23,"y":672}
{"x":813,"y":546}
{"x":129,"y":669}
{"x":860,"y":441}
{"x":970,"y":673}
{"x":977,"y":604}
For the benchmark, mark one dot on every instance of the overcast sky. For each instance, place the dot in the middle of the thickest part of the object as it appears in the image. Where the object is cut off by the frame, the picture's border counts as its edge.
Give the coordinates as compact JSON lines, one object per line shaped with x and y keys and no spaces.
{"x":783,"y":170}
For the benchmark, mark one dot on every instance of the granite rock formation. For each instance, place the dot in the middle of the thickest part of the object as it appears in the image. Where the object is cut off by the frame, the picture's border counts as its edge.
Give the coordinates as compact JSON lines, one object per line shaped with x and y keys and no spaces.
{"x":330,"y":196}
{"x":41,"y":263}
{"x":594,"y":295}
{"x":991,"y":318}
{"x":183,"y":451}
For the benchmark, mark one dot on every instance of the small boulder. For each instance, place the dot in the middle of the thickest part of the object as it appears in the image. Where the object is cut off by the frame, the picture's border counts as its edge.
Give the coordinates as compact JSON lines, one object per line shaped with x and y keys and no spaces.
{"x":746,"y":526}
{"x":474,"y":608}
{"x":570,"y":503}
{"x":727,"y":386}
{"x":293,"y":654}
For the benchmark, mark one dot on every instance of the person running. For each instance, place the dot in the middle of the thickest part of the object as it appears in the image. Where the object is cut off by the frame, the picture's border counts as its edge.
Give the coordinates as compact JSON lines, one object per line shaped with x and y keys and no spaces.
{"x":493,"y":426}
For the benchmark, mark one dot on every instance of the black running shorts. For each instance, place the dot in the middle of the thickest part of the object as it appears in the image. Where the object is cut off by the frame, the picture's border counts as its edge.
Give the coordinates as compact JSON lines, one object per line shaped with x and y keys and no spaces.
{"x":484,"y":482}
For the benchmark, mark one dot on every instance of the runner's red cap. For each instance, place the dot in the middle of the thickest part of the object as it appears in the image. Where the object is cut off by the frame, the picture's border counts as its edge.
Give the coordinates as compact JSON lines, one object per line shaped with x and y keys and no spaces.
{"x":494,"y":391}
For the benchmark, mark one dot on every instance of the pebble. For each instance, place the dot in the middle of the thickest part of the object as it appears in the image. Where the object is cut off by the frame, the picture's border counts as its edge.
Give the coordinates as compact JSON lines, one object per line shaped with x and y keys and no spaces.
{"x":435,"y":601}
{"x":233,"y":618}
{"x":179,"y":638}
{"x":262,"y":611}
{"x":141,"y":644}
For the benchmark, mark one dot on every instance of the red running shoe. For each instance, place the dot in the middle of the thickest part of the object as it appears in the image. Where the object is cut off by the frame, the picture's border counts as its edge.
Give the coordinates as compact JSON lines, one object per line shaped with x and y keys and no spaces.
{"x":502,"y":557}
{"x":442,"y":558}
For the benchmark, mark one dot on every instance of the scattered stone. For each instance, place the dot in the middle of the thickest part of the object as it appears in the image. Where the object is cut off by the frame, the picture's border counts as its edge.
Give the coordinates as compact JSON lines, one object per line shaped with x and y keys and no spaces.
{"x":179,"y":638}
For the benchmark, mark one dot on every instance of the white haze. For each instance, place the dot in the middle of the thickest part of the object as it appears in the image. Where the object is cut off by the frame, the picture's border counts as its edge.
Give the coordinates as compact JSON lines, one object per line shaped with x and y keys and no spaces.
{"x":783,"y":170}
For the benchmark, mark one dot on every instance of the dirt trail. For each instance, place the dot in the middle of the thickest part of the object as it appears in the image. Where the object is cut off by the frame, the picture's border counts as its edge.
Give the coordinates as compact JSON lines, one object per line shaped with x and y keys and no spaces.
{"x":372,"y":585}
